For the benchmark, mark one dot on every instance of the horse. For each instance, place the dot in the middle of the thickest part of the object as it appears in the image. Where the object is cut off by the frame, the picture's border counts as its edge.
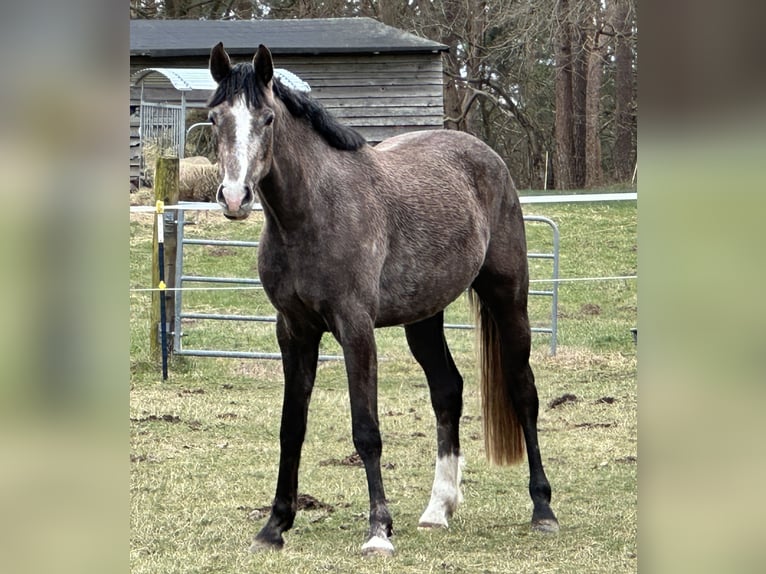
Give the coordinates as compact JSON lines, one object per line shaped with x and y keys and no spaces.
{"x":358,"y":237}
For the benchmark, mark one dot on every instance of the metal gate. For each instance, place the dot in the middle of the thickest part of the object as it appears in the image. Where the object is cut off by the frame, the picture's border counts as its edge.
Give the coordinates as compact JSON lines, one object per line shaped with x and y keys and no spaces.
{"x":553,"y":291}
{"x":162,"y":125}
{"x":253,"y":282}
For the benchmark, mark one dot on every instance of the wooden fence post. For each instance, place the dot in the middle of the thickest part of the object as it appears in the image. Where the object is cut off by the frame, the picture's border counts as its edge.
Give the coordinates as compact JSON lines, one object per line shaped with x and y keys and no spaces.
{"x":165,"y":190}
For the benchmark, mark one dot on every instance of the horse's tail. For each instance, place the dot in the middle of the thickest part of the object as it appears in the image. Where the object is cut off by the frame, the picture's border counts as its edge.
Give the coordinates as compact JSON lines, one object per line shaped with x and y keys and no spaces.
{"x":503,"y":434}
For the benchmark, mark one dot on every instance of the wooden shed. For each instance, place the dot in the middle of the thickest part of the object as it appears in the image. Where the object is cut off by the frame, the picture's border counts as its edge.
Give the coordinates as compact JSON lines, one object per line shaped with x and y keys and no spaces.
{"x":376,"y":78}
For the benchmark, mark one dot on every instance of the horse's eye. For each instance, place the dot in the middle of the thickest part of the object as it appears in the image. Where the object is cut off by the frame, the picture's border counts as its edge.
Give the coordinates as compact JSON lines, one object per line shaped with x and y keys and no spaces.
{"x":211,"y":118}
{"x":269,"y":119}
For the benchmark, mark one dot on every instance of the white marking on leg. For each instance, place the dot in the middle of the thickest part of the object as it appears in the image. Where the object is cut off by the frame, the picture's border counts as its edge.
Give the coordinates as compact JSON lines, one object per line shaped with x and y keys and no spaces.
{"x":445,"y":494}
{"x":377,"y":545}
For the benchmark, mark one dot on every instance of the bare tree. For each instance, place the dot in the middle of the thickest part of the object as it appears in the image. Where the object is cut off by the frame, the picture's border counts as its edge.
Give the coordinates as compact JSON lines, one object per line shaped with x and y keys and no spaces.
{"x":586,"y":29}
{"x":208,"y":9}
{"x":596,"y":43}
{"x":564,"y":125}
{"x":623,"y":22}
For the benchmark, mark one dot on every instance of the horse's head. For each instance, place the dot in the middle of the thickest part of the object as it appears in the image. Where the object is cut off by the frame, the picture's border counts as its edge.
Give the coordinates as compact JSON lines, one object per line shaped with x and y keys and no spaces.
{"x":242,"y":114}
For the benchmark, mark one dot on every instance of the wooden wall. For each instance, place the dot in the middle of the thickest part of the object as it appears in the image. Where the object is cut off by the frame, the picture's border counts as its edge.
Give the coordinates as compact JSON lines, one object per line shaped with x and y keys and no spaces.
{"x":380,"y":95}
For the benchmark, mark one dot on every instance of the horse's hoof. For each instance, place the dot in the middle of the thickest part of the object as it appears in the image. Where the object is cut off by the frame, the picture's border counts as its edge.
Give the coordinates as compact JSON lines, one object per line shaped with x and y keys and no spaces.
{"x":547,"y":525}
{"x":377,"y":546}
{"x":435,"y":516}
{"x":259,"y":546}
{"x":432,"y":525}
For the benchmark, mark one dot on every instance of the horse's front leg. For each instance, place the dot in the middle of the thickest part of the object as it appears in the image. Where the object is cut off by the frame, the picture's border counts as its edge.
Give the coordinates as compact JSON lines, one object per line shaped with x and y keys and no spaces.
{"x":300,"y":351}
{"x":357,"y":338}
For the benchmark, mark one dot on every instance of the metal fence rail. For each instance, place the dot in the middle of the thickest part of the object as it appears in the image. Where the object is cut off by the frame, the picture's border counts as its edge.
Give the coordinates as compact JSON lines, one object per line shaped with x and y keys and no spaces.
{"x":180,"y":315}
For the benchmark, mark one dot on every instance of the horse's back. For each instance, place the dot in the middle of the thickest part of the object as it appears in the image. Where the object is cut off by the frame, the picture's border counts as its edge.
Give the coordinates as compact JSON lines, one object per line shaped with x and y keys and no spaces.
{"x":451,"y":175}
{"x":455,"y":164}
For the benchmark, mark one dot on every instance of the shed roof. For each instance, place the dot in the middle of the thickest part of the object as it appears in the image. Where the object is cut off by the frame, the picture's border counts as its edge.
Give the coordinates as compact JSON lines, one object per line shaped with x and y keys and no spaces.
{"x":188,"y":79}
{"x":182,"y":79}
{"x":164,"y":38}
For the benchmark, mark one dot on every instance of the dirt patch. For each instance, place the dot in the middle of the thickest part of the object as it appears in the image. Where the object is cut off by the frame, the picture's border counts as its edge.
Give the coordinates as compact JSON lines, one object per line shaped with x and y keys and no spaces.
{"x":590,"y":309}
{"x":183,"y":392}
{"x":562,"y":400}
{"x":157,"y":418}
{"x":227,"y":416}
{"x":593,"y":425}
{"x":605,"y":401}
{"x":351,"y":460}
{"x":308,"y":502}
{"x":305,"y":502}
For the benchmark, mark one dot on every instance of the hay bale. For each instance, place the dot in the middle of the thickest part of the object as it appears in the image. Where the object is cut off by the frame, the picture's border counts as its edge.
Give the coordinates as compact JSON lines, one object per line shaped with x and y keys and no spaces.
{"x":196,"y":160}
{"x":198,"y":179}
{"x":198,"y":176}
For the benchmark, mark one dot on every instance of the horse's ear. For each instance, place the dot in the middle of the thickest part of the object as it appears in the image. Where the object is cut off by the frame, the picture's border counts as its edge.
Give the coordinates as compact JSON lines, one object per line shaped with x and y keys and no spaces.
{"x":220,"y":64}
{"x":264,"y":66}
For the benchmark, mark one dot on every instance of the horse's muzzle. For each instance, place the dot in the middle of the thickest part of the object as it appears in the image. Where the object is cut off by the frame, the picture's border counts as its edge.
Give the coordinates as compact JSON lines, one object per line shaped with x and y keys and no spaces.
{"x":235,"y":206}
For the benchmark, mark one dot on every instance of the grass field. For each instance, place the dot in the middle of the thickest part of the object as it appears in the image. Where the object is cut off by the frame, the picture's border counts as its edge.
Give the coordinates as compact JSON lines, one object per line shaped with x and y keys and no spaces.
{"x":204,"y":444}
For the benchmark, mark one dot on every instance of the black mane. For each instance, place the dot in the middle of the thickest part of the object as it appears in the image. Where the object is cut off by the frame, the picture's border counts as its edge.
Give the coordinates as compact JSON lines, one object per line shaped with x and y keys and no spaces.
{"x":243,"y":80}
{"x":301,"y":105}
{"x":240,"y":80}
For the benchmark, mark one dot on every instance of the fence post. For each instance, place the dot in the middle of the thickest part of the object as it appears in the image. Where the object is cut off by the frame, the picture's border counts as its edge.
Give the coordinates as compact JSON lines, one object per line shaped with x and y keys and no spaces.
{"x":165,"y":190}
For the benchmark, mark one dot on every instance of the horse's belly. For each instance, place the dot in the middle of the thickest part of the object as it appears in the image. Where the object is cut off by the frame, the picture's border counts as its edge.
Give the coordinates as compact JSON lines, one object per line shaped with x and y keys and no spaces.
{"x":408,"y":296}
{"x":431,"y":259}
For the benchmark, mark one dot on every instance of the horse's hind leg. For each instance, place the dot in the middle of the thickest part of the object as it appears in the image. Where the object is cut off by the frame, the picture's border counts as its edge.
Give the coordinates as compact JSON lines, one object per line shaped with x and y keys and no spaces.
{"x":429,"y":347}
{"x":505,"y":299}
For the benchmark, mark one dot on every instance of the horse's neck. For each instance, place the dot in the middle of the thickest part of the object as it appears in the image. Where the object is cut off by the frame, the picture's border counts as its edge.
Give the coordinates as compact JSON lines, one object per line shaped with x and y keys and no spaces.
{"x":288,"y":190}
